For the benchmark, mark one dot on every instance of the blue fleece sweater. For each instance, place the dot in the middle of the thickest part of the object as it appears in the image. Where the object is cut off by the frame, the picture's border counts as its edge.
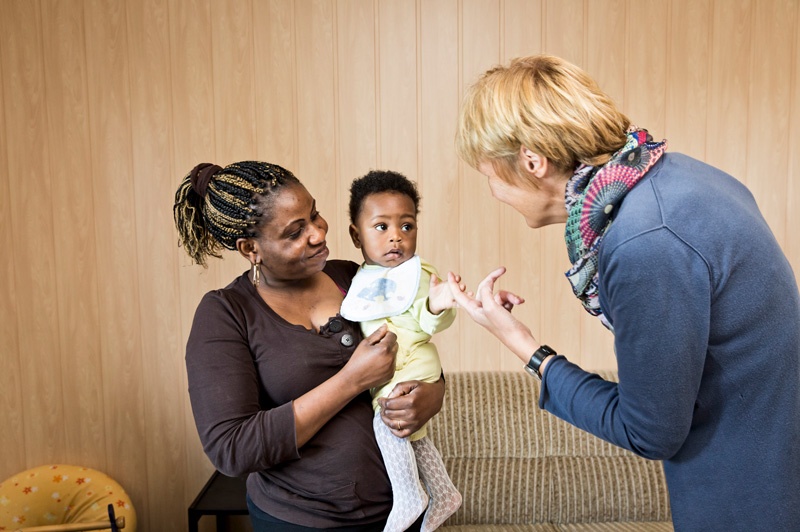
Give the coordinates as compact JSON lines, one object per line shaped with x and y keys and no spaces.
{"x":706,"y":316}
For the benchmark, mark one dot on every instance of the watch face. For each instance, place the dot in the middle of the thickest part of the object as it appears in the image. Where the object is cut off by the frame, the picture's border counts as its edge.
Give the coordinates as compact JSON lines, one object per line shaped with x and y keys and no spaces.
{"x":532,"y":371}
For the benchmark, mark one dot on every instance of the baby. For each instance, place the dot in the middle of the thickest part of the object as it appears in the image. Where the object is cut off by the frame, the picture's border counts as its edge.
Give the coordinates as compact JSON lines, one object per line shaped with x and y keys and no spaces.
{"x":396,"y":287}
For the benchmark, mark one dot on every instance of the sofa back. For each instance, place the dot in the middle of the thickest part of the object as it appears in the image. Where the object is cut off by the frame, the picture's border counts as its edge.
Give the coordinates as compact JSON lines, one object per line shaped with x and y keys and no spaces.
{"x":517,"y":464}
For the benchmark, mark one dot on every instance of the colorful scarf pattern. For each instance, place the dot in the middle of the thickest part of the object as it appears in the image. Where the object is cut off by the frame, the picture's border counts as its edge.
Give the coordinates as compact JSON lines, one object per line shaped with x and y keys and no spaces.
{"x":593,"y":194}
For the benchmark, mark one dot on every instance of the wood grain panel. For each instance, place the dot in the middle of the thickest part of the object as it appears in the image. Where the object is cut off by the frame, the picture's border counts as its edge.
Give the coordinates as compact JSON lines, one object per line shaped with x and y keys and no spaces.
{"x":792,"y":243}
{"x":564,"y":36}
{"x":316,"y":115}
{"x":74,"y":218}
{"x":726,"y":137}
{"x":115,"y":234}
{"x":439,"y":184}
{"x":563,"y":23}
{"x":153,"y":186}
{"x":480,"y":235}
{"x":646,"y":65}
{"x":521,"y":246}
{"x":768,"y":131}
{"x":687,"y":76}
{"x":606,"y":57}
{"x":105,"y":106}
{"x":276,"y":82}
{"x":606,"y":51}
{"x":193,"y":142}
{"x":521,"y":38}
{"x":12,"y":438}
{"x":234,"y":98}
{"x":398,"y":87}
{"x":31,"y":209}
{"x":356,"y":127}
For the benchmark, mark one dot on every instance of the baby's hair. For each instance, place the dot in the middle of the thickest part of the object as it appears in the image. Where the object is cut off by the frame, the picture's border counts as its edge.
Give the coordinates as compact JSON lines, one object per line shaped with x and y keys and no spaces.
{"x":225,"y":204}
{"x":377,"y":181}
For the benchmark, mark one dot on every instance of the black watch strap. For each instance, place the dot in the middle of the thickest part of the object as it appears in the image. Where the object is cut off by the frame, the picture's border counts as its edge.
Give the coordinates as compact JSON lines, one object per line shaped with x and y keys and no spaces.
{"x":537,"y":358}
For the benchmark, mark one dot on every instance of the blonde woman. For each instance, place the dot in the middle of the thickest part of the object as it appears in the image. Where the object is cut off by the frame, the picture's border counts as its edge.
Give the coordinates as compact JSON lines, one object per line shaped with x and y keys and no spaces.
{"x":675,"y":258}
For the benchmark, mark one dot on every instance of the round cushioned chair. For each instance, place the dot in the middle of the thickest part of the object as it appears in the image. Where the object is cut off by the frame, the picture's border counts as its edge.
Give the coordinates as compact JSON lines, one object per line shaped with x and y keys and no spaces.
{"x":72,"y":496}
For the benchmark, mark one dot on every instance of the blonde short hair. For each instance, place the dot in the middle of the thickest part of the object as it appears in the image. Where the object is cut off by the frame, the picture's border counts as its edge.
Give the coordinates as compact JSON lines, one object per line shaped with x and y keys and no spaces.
{"x":545,"y":104}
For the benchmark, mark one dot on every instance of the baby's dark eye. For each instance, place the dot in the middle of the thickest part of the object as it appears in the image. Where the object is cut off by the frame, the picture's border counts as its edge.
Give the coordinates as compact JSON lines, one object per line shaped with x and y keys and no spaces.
{"x":407,"y":227}
{"x":381,"y":227}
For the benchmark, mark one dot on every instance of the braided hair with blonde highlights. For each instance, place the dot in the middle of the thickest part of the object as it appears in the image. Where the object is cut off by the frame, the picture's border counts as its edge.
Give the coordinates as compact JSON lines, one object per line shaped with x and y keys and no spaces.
{"x":214,"y":207}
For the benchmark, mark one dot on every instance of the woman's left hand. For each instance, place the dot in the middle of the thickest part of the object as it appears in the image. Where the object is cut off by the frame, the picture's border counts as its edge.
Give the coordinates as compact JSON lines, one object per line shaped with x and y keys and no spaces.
{"x":410,"y":405}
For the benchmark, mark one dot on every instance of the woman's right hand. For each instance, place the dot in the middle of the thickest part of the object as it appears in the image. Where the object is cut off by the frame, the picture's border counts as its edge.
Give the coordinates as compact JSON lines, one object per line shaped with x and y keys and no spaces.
{"x":492,"y":310}
{"x":372,"y":363}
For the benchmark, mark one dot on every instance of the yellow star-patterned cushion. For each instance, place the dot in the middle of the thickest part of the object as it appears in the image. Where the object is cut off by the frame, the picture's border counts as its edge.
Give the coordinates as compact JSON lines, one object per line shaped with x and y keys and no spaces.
{"x":59,"y":494}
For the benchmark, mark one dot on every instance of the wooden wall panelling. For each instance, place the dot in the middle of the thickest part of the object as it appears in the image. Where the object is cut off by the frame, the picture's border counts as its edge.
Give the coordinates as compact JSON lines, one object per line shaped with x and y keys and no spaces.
{"x":117,"y":249}
{"x":481,"y":238}
{"x":74,"y":218}
{"x":356,"y":104}
{"x":729,"y":63}
{"x":519,"y":37}
{"x":768,"y":127}
{"x":234,"y":81}
{"x":688,"y":55}
{"x":99,"y":122}
{"x":234,"y":98}
{"x":276,"y":82}
{"x":564,"y":34}
{"x":792,"y":244}
{"x":399,"y":123}
{"x":398,"y":85}
{"x":522,"y":246}
{"x":646,"y":65}
{"x":153,"y":187}
{"x":316,"y":113}
{"x":606,"y":50}
{"x":12,"y":419}
{"x":564,"y":29}
{"x":440,"y":93}
{"x":31,"y":208}
{"x":606,"y":57}
{"x":193,"y":142}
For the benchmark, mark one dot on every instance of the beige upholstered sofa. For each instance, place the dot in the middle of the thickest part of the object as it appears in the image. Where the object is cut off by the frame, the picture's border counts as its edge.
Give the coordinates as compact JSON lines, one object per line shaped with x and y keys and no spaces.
{"x":520,"y":468}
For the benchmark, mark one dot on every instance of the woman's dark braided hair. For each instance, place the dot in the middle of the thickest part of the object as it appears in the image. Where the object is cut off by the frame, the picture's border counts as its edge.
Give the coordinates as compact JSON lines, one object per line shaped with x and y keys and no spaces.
{"x":214,"y":207}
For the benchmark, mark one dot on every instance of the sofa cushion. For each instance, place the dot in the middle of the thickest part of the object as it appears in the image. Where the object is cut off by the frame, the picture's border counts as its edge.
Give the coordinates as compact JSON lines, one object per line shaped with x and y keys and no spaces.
{"x":621,"y":526}
{"x":542,"y":527}
{"x":631,"y":526}
{"x":517,"y":464}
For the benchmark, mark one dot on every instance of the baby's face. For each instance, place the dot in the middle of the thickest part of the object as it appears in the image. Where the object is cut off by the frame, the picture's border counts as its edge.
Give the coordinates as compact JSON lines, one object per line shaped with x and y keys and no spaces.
{"x":386,"y":229}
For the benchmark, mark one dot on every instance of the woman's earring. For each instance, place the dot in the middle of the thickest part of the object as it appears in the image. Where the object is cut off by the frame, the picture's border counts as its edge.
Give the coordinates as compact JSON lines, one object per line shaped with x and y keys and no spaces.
{"x":256,"y":274}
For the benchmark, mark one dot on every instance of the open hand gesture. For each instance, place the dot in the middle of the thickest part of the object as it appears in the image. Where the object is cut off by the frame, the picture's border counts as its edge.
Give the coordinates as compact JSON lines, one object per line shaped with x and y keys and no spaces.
{"x":492,"y":311}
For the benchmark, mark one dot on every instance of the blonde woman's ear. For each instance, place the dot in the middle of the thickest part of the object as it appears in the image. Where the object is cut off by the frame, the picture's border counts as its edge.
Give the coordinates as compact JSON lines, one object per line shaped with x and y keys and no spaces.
{"x":533,"y":163}
{"x":528,"y":159}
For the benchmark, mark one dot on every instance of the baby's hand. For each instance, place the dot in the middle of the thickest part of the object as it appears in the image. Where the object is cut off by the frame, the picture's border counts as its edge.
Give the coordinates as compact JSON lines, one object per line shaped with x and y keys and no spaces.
{"x":440,"y":297}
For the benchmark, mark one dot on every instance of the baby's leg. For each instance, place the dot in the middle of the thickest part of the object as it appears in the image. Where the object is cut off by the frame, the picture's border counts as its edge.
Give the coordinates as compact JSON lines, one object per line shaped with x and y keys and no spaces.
{"x":445,"y":498}
{"x":410,"y":499}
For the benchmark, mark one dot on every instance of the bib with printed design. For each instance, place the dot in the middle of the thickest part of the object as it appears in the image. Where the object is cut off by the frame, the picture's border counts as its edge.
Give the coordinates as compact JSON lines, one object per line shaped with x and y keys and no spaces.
{"x":378,"y":292}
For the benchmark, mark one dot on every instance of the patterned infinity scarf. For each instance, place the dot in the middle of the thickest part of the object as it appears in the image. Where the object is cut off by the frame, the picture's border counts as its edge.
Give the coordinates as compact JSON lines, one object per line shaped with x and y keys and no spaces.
{"x":593,"y":193}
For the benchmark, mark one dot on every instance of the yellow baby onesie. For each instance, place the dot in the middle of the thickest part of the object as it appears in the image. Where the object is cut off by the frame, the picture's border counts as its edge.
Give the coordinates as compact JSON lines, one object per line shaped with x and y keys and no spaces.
{"x":399,"y":297}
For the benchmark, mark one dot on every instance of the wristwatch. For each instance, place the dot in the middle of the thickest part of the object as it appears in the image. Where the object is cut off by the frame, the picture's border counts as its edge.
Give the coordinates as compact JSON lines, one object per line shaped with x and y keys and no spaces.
{"x":536,"y":360}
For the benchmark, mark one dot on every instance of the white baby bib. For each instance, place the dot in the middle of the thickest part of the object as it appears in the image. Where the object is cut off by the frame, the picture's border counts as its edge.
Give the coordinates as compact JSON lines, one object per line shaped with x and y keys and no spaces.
{"x":378,"y":292}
